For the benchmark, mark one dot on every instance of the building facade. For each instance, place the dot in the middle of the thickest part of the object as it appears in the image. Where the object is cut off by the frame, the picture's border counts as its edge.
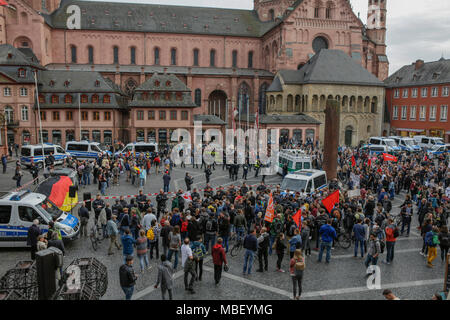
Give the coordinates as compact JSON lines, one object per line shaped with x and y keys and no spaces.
{"x":418,"y":99}
{"x":226,"y":58}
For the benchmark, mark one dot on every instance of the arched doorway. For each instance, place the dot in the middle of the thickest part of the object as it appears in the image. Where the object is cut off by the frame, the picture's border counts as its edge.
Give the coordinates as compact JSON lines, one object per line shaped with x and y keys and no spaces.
{"x":217,"y":104}
{"x":348,"y":135}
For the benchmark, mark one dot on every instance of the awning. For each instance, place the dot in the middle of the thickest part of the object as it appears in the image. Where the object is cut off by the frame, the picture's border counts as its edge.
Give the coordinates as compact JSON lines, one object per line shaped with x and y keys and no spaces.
{"x":412,"y":130}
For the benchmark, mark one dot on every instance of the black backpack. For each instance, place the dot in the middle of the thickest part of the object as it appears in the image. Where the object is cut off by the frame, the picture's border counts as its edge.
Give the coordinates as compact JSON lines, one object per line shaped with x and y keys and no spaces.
{"x":396,"y":232}
{"x":291,"y":230}
{"x":445,"y":240}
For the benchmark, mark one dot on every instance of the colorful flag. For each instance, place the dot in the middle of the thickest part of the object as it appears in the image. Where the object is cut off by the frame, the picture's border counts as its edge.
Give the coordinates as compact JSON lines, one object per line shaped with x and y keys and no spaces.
{"x":353,"y":161}
{"x":270,"y":210}
{"x":298,"y":218}
{"x":370,"y":162}
{"x":330,"y":201}
{"x":187,"y":196}
{"x":3,"y":3}
{"x":389,"y":157}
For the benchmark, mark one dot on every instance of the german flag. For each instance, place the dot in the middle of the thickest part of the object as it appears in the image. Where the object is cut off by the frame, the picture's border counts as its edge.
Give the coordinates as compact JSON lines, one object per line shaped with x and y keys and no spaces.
{"x":57,"y":190}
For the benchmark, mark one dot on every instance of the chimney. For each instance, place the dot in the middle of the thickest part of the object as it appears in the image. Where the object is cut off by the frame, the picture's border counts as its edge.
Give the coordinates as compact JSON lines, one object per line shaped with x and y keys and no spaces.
{"x":419,"y":64}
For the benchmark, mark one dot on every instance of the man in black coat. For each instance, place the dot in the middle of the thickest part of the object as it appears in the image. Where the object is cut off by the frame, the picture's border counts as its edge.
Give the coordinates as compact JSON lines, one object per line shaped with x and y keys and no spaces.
{"x":33,"y":233}
{"x":127,"y":277}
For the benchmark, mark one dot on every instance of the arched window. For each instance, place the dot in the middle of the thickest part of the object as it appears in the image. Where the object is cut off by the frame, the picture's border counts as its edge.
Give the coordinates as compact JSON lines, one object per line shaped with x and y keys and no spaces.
{"x":271,"y":14}
{"x":244,"y":98}
{"x":94,"y":98}
{"x":24,"y":113}
{"x":316,"y":9}
{"x":329,"y":10}
{"x":196,"y":52}
{"x":116,"y":54}
{"x":262,"y":98}
{"x":234,"y":58}
{"x":73,"y":52}
{"x":173,"y":56}
{"x":212,"y":58}
{"x":250,"y":59}
{"x":90,"y":54}
{"x":198,"y":97}
{"x":290,"y":103}
{"x":133,"y":55}
{"x":130,"y":86}
{"x":156,"y":54}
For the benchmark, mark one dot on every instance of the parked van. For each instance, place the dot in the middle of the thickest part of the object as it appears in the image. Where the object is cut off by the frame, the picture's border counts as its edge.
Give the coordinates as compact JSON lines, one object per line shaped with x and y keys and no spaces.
{"x":84,"y":150}
{"x":383,"y":141}
{"x":296,"y":160}
{"x":406,"y":144}
{"x":138,"y":148}
{"x":19,"y":209}
{"x":34,"y":152}
{"x":307,"y":180}
{"x":374,"y":149}
{"x":428,"y":142}
{"x":438,"y":150}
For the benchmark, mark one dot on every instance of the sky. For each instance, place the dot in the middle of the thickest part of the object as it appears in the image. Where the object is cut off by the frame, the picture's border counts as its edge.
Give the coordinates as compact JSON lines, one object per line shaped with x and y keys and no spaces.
{"x":416,"y":29}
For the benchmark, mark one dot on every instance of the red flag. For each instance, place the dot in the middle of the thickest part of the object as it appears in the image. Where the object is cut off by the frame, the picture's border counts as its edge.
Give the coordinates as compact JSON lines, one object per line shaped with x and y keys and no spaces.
{"x":298,"y":218}
{"x":389,"y":157}
{"x":353,"y":161}
{"x":331,"y":200}
{"x":3,"y":3}
{"x":370,"y":162}
{"x":270,"y":210}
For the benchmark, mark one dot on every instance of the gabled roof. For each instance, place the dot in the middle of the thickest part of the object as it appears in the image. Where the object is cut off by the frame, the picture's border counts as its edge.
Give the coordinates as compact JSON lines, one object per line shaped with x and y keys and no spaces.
{"x":163,"y":82}
{"x":11,"y":72}
{"x":10,"y":56}
{"x":123,"y":16}
{"x":78,"y":81}
{"x":275,"y":86}
{"x":436,"y":72}
{"x":208,"y":119}
{"x":330,"y":67}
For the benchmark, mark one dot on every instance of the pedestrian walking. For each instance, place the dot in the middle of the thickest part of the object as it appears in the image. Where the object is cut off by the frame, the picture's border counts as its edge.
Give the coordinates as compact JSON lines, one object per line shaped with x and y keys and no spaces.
{"x":112,"y":231}
{"x":127,"y":277}
{"x":174,"y":245}
{"x":219,"y":260}
{"x":296,"y":268}
{"x":153,"y":235}
{"x":199,"y":252}
{"x":165,"y":277}
{"x":18,"y":176}
{"x":392,"y":234}
{"x":359,"y":233}
{"x":4,"y":162}
{"x":279,"y":247}
{"x":189,"y":269}
{"x":444,"y":242}
{"x":127,"y":245}
{"x":250,"y":246}
{"x":373,"y":251}
{"x":263,"y":247}
{"x":432,"y":241}
{"x":327,"y":234}
{"x":141,"y":251}
{"x":166,"y":180}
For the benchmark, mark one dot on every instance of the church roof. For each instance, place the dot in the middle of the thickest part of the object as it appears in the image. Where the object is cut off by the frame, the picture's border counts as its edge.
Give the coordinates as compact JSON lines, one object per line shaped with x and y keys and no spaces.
{"x":436,"y":72}
{"x":10,"y":56}
{"x":163,"y":82}
{"x":299,"y":118}
{"x":275,"y":86}
{"x":208,"y":119}
{"x":121,"y":16}
{"x":330,"y":67}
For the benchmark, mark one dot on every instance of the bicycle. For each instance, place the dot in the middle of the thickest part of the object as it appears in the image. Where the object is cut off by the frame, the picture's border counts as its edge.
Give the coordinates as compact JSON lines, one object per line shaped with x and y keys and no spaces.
{"x":343,"y":240}
{"x":95,"y":236}
{"x":237,"y":247}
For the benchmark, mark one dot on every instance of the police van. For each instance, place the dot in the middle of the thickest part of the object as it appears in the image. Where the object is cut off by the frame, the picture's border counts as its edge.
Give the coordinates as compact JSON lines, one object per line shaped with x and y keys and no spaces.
{"x":295,"y":160}
{"x":307,"y":180}
{"x":438,"y":150}
{"x":138,"y":148}
{"x":34,"y":152}
{"x":84,"y":150}
{"x":428,"y":142}
{"x":19,"y":209}
{"x":406,"y":144}
{"x":390,"y":144}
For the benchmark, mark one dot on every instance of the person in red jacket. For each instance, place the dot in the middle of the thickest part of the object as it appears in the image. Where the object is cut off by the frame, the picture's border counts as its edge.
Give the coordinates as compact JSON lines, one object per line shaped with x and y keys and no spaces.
{"x":219,"y":259}
{"x":391,"y":230}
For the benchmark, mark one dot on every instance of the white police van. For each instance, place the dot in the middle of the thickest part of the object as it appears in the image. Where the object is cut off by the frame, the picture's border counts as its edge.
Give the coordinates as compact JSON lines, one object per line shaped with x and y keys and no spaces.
{"x":19,"y":209}
{"x":390,"y":144}
{"x":406,"y":144}
{"x":34,"y":152}
{"x":84,"y":150}
{"x":428,"y":142}
{"x":307,"y":180}
{"x":138,"y":148}
{"x":295,"y":160}
{"x":438,"y":150}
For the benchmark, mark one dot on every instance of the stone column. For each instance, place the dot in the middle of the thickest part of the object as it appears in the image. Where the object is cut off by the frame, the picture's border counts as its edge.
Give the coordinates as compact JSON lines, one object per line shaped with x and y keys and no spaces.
{"x":331,"y":139}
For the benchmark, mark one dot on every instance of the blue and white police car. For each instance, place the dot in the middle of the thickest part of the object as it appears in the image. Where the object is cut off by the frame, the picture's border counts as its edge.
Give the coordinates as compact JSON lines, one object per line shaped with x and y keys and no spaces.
{"x":34,"y":153}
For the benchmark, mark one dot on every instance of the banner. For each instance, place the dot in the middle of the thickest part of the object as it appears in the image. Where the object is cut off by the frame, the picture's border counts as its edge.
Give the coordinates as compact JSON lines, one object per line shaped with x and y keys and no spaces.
{"x":389,"y":157}
{"x":187,"y":196}
{"x":355,"y":179}
{"x":270,"y":210}
{"x":354,"y":193}
{"x":297,"y":217}
{"x":353,"y":161}
{"x":331,"y":200}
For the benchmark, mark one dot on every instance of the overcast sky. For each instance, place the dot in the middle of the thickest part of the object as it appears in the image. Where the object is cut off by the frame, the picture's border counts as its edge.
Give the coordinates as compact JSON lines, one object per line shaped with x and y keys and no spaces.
{"x":417,"y":29}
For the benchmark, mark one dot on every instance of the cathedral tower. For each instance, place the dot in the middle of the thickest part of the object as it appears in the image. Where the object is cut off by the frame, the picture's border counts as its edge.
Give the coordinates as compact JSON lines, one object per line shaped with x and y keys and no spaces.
{"x":270,"y":10}
{"x":376,"y":21}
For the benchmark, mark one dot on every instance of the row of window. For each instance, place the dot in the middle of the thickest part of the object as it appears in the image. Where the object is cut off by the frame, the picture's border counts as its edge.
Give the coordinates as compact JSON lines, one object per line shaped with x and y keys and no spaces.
{"x":173,"y":114}
{"x":156,"y":55}
{"x":7,"y":92}
{"x":423,"y":92}
{"x":422,"y":113}
{"x":84,"y":116}
{"x":69,"y":98}
{"x":70,"y":135}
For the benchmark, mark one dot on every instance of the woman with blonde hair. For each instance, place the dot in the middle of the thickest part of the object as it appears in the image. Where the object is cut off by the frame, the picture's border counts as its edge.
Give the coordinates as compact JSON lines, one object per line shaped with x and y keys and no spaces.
{"x":296,"y":268}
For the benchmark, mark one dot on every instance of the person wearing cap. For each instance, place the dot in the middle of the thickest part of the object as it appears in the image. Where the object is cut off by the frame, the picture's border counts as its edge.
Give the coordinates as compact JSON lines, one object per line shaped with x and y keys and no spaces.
{"x":127,"y":277}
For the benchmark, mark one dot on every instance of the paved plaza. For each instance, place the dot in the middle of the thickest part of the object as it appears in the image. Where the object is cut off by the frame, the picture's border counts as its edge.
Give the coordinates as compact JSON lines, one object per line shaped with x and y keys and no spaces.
{"x":343,"y":278}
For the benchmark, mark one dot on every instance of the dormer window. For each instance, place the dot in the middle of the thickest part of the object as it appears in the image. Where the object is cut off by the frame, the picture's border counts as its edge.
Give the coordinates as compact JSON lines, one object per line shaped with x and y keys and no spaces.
{"x":95,"y":98}
{"x":84,"y":98}
{"x":106,"y":99}
{"x":10,"y":55}
{"x":436,"y":75}
{"x":55,"y":99}
{"x":66,"y":83}
{"x":156,"y":83}
{"x":168,"y":96}
{"x":51,"y":83}
{"x":97,"y":83}
{"x":168,"y":83}
{"x":22,"y":73}
{"x":67,"y":98}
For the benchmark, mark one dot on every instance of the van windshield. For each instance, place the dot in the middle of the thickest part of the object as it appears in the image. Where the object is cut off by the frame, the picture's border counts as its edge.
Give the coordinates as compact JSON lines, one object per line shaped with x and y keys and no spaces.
{"x":50,"y":210}
{"x":293,"y":184}
{"x":145,"y":149}
{"x":390,"y":143}
{"x":409,"y":142}
{"x":25,"y":152}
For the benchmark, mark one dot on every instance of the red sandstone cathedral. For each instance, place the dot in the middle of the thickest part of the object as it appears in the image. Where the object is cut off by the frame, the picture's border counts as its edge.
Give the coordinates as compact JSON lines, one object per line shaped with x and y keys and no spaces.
{"x":223,"y":59}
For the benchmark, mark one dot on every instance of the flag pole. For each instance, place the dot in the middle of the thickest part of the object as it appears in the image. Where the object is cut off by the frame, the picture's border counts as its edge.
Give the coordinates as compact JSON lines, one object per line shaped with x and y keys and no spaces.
{"x":79,"y":113}
{"x":40,"y":120}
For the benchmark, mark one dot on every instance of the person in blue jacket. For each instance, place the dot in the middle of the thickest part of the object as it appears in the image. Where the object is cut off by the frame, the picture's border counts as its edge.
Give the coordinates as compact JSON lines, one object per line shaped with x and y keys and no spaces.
{"x":327,"y":234}
{"x":295,"y":243}
{"x":127,"y":245}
